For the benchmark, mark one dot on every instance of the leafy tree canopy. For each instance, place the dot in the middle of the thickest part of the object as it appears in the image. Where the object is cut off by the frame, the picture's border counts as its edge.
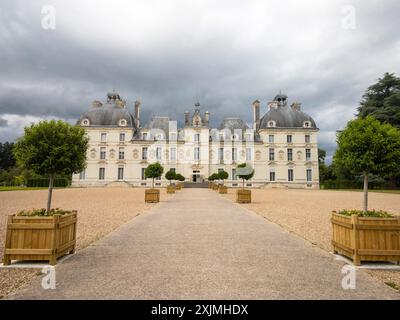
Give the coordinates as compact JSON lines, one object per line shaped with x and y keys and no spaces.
{"x":52,"y":147}
{"x":368,"y":147}
{"x":170,"y":175}
{"x":222,"y":175}
{"x":179,"y":177}
{"x":7,"y":159}
{"x":382,"y":100}
{"x":154,"y":170}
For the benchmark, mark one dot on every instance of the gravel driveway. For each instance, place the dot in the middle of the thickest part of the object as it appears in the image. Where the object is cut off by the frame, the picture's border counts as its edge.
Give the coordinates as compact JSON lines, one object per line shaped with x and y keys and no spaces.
{"x":100,"y":211}
{"x":307,"y":213}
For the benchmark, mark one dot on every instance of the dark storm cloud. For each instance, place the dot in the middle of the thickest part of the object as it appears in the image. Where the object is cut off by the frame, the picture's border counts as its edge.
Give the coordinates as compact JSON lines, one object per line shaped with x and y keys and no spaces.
{"x":171,"y":55}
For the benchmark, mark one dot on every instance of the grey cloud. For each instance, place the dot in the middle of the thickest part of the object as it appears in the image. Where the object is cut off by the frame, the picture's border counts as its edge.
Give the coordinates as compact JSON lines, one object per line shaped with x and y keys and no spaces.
{"x":58,"y":73}
{"x":3,"y":122}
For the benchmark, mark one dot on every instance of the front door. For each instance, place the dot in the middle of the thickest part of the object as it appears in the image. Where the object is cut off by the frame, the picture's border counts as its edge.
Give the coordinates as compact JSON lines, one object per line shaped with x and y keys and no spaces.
{"x":195,"y":178}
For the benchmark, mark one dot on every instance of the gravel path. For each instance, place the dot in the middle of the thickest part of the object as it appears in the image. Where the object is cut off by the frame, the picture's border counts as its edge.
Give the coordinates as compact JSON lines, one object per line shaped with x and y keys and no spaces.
{"x":100,"y":211}
{"x":198,"y":245}
{"x":307,"y":213}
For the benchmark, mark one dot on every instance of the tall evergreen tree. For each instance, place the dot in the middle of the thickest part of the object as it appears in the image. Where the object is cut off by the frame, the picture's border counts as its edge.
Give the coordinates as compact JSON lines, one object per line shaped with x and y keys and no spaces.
{"x":382,"y":100}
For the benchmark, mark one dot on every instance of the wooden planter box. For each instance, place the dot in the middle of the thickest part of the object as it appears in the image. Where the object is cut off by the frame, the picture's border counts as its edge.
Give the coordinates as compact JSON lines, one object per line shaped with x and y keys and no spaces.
{"x":223,"y":190}
{"x":243,"y":196}
{"x":152,"y":195}
{"x":215,"y":186}
{"x":210,"y":184}
{"x":178,"y":186}
{"x":366,"y":239}
{"x":40,"y":238}
{"x":171,"y":189}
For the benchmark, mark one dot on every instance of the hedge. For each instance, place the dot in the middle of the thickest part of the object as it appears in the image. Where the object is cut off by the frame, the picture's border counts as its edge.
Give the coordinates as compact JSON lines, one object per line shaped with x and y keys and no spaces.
{"x":42,"y":183}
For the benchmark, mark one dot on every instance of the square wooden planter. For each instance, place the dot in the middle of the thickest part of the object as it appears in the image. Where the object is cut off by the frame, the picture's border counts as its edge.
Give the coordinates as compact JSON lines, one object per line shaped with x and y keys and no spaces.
{"x":178,"y":186}
{"x":152,"y":195}
{"x":215,"y":186}
{"x":223,"y":190}
{"x":171,"y":189}
{"x":40,"y":238}
{"x":366,"y":239}
{"x":243,"y":196}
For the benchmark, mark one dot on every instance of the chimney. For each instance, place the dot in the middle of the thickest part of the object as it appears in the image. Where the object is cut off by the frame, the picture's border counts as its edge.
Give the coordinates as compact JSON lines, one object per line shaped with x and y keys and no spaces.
{"x":207,"y":118}
{"x":256,"y":114}
{"x":187,"y":119}
{"x":296,"y":106}
{"x":137,"y":113}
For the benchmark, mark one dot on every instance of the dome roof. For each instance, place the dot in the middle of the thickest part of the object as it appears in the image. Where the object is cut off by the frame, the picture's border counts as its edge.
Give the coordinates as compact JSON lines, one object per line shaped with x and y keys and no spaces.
{"x":112,"y":113}
{"x":233,"y":124}
{"x":286,"y":117}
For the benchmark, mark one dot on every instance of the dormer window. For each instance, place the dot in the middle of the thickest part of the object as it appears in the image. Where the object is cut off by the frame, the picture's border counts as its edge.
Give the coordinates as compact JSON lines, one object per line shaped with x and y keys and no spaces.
{"x":271,"y":124}
{"x":306,"y":124}
{"x":122,"y":123}
{"x":85,"y":122}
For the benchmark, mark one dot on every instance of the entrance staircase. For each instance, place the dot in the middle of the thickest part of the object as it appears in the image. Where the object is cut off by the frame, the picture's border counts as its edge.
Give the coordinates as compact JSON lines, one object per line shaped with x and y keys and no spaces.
{"x":203,"y":184}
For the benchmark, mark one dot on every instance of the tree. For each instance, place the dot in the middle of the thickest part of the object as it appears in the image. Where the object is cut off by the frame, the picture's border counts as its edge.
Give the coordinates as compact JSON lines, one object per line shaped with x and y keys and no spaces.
{"x":368,"y":147}
{"x":154,"y":171}
{"x":170,"y":175}
{"x":180,"y":177}
{"x":382,"y":100}
{"x":7,"y":159}
{"x":222,"y":175}
{"x":247,"y":174}
{"x":51,"y":148}
{"x":213,"y":177}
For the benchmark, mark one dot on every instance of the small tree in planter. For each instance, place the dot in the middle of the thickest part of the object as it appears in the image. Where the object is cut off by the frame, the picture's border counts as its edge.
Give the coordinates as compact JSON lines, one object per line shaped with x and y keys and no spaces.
{"x":368,"y":147}
{"x":212,"y":178}
{"x":153,"y":171}
{"x":52,"y":148}
{"x":244,"y":172}
{"x":222,"y":175}
{"x":170,"y":175}
{"x":47,"y":148}
{"x":180,"y":178}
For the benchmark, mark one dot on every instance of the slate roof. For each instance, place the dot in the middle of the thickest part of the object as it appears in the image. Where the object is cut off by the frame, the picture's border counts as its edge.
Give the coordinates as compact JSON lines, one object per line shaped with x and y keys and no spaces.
{"x":286,"y":117}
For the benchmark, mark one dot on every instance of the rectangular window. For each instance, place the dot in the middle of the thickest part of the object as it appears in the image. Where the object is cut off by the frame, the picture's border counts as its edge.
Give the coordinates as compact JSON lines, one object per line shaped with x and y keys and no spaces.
{"x":290,"y":154}
{"x":144,"y":153}
{"x":307,"y":138}
{"x":308,"y":154}
{"x":272,"y":176}
{"x":103,"y":137}
{"x":143,"y":174}
{"x":221,"y":154}
{"x":249,"y":137}
{"x":173,"y":170}
{"x":271,"y":154}
{"x":234,"y":154}
{"x":197,"y":137}
{"x":158,"y":153}
{"x":220,"y":170}
{"x":197,"y":154}
{"x":120,"y":173}
{"x":173,"y":154}
{"x":102,"y":153}
{"x":144,"y":136}
{"x":121,"y":154}
{"x":290,"y":175}
{"x":271,"y":138}
{"x":309,"y":175}
{"x":82,"y":174}
{"x":122,"y":137}
{"x":248,"y":154}
{"x":102,"y":173}
{"x":221,"y":137}
{"x":289,"y":138}
{"x":234,"y":177}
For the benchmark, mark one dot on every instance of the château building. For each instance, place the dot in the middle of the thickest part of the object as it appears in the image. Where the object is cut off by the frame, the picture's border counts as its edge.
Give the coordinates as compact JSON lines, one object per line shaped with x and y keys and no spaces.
{"x":281,"y":145}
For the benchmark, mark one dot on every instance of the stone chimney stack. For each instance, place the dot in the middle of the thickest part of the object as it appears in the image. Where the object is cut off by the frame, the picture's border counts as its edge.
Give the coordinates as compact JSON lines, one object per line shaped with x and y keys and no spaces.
{"x":187,"y":118}
{"x":207,"y":118}
{"x":256,"y":114}
{"x":137,"y":113}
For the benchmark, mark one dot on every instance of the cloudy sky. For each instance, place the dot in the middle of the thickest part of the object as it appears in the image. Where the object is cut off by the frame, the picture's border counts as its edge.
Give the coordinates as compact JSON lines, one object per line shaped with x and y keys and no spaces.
{"x":169,"y":54}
